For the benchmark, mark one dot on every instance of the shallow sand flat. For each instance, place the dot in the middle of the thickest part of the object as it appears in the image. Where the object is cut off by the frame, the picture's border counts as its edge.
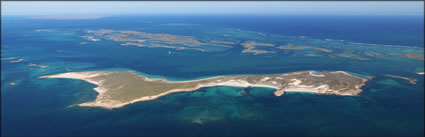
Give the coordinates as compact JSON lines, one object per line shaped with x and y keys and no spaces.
{"x":411,"y":80}
{"x":16,"y":61}
{"x":117,"y":89}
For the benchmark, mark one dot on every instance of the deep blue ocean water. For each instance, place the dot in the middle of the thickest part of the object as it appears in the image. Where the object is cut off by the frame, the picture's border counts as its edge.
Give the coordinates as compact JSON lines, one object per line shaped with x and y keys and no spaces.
{"x":44,"y":106}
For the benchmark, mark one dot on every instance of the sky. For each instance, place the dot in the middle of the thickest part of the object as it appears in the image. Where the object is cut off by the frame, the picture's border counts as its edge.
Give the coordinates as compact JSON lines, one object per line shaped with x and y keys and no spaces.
{"x":213,"y":7}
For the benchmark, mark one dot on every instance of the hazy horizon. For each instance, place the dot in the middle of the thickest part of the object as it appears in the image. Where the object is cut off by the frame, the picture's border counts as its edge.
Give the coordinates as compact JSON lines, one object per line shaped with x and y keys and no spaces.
{"x":213,"y":8}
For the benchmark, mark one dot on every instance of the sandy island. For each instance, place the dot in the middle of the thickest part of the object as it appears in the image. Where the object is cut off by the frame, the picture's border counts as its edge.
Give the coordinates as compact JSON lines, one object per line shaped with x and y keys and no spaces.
{"x":117,"y":89}
{"x":250,"y":45}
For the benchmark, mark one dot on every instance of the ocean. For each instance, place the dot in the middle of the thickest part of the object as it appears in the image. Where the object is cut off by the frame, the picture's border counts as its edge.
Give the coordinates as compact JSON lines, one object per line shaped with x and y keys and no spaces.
{"x":46,"y":107}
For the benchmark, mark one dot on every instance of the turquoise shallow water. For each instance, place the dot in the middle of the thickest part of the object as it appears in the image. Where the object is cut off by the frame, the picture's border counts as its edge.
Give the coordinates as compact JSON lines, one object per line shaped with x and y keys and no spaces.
{"x":35,"y":106}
